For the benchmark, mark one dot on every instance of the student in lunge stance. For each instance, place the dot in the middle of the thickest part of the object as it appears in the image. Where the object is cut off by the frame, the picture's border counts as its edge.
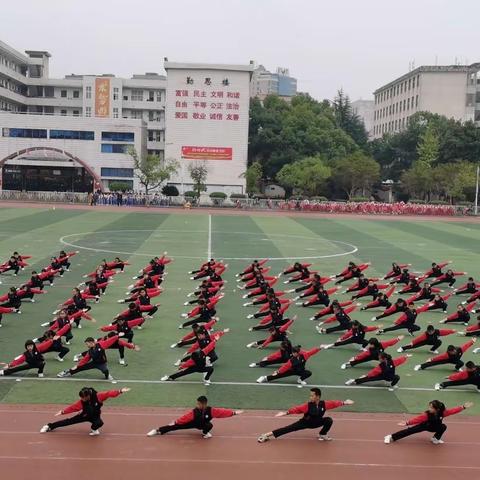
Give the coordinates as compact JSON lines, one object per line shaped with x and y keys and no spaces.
{"x":313,"y":417}
{"x":89,"y":407}
{"x":429,"y":421}
{"x":200,"y":418}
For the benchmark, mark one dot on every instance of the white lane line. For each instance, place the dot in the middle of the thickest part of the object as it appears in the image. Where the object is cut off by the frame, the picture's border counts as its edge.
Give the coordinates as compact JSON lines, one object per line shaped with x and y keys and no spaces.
{"x":250,"y":384}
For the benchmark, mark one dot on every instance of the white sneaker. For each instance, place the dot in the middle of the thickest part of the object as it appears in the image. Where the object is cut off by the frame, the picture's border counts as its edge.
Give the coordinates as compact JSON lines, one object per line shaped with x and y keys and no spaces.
{"x":351,"y":381}
{"x":247,"y":304}
{"x":207,"y":435}
{"x":94,"y":433}
{"x":262,"y":379}
{"x":438,"y":386}
{"x":325,"y":438}
{"x":252,"y":365}
{"x":373,"y":319}
{"x":435,"y":352}
{"x":476,"y":350}
{"x":79,"y":325}
{"x":177,"y":363}
{"x":400,"y":349}
{"x":173,"y":345}
{"x":417,"y":367}
{"x":165,"y":378}
{"x":250,"y":315}
{"x":77,"y":357}
{"x":436,"y":441}
{"x":45,"y":324}
{"x":121,"y":361}
{"x":207,"y":382}
{"x":263,"y":438}
{"x":301,"y":382}
{"x":251,"y":345}
{"x":152,"y":433}
{"x":388,"y":439}
{"x":45,"y":429}
{"x":41,"y":375}
{"x":326,"y":346}
{"x":392,"y":388}
{"x":344,"y":366}
{"x":120,"y":301}
{"x":60,"y":359}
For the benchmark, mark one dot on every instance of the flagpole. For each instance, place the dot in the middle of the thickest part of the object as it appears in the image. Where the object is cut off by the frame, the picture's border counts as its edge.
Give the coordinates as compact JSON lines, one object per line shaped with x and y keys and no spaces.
{"x":476,"y":192}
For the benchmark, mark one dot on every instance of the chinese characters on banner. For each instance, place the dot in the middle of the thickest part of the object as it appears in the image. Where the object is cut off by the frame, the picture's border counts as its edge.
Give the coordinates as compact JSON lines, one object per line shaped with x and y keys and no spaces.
{"x":207,"y":153}
{"x":203,"y":99}
{"x":102,"y":97}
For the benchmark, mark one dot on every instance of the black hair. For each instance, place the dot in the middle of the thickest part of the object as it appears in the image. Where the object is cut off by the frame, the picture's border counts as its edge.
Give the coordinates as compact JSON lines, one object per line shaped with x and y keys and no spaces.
{"x":202,"y":399}
{"x":29,"y":342}
{"x":89,"y":339}
{"x":430,"y":328}
{"x":316,"y":391}
{"x":470,"y":364}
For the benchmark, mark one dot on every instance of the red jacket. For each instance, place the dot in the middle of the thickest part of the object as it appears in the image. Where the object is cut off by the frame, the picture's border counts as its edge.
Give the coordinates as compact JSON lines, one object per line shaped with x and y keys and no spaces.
{"x":396,"y":361}
{"x":329,"y":405}
{"x":306,"y":354}
{"x":423,"y":336}
{"x":423,"y":417}
{"x":463,"y":348}
{"x":191,"y":363}
{"x":216,"y":413}
{"x":271,"y":337}
{"x":102,"y":396}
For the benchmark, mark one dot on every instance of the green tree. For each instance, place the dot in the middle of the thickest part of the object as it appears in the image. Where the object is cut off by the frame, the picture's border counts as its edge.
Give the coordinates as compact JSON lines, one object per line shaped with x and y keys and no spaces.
{"x":151,"y":170}
{"x":253,"y":176}
{"x":355,"y":174}
{"x":307,"y":176}
{"x":349,"y":121}
{"x":418,"y":181}
{"x":198,"y":173}
{"x":428,"y":146}
{"x":455,"y":181}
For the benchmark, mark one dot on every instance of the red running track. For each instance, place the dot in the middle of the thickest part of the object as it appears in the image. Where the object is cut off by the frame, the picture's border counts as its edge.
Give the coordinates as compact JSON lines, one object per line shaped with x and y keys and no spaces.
{"x":123,"y":451}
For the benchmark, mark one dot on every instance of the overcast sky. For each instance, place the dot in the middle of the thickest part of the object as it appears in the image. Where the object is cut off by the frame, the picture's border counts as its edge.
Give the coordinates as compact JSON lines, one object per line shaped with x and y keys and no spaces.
{"x":327,"y":44}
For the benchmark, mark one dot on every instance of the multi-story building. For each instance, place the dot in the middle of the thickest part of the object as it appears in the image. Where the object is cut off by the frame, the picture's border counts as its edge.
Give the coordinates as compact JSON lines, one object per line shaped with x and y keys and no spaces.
{"x":267,"y":83}
{"x":365,"y":110}
{"x":452,"y":90}
{"x":96,"y":111}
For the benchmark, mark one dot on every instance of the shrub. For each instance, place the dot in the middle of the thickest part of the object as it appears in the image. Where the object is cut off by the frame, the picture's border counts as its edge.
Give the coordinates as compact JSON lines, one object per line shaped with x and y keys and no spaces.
{"x":190,"y":194}
{"x":170,"y":191}
{"x":417,"y":200}
{"x":219,"y":195}
{"x":237,"y":195}
{"x":118,"y":186}
{"x":439,"y":202}
{"x":319,"y":199}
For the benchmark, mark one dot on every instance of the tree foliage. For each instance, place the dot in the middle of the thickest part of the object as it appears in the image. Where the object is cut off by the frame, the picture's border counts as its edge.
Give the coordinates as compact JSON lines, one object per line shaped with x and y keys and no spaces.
{"x":198,"y":173}
{"x":347,"y":120}
{"x":151,"y":170}
{"x":307,"y":176}
{"x":253,"y":176}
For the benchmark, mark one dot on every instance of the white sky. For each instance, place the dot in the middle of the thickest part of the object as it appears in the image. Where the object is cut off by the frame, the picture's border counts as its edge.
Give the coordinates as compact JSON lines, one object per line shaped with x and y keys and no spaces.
{"x":355,"y":44}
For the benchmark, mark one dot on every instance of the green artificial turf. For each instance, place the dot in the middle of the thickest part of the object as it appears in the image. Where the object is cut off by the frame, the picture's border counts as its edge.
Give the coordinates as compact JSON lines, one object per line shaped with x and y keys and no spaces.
{"x":139,"y":236}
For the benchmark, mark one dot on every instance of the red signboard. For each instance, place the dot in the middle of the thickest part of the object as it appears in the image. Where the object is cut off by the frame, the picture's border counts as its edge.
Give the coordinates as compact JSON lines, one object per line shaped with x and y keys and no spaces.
{"x":207,"y":153}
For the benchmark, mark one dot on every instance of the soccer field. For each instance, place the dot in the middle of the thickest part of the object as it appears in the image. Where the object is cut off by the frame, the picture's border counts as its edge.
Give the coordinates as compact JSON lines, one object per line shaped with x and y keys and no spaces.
{"x":328,"y":243}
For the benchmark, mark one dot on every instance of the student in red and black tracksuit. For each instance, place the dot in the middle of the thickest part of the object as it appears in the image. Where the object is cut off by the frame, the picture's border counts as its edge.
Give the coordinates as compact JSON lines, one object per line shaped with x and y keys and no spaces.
{"x":470,"y":287}
{"x":462,"y":315}
{"x":61,"y":323}
{"x":35,"y":281}
{"x":278,"y":333}
{"x":295,"y":366}
{"x":144,"y":302}
{"x":453,"y":356}
{"x":280,"y":356}
{"x":117,"y":264}
{"x":203,"y":313}
{"x":275,"y":317}
{"x":51,"y":341}
{"x":197,"y":363}
{"x":430,"y":337}
{"x":425,"y":293}
{"x":313,"y":417}
{"x":274,"y":304}
{"x":439,"y":303}
{"x":307,"y":285}
{"x":406,"y":320}
{"x":11,"y":299}
{"x":447,"y":277}
{"x":385,"y":371}
{"x":154,"y":269}
{"x":382,"y":300}
{"x":319,"y":296}
{"x":371,"y":289}
{"x":211,"y":263}
{"x":89,"y":407}
{"x":436,"y":270}
{"x":430,"y":421}
{"x":147,"y":282}
{"x":254,"y":266}
{"x":204,"y":293}
{"x":413,"y":286}
{"x":372,"y":351}
{"x":328,"y":310}
{"x":30,"y":359}
{"x":95,"y":358}
{"x":200,"y":418}
{"x":11,"y":265}
{"x":120,"y":327}
{"x":472,"y":330}
{"x":471,"y":376}
{"x":64,"y":259}
{"x":204,"y":339}
{"x":355,"y":335}
{"x":399,"y":306}
{"x":396,"y":270}
{"x":56,"y":265}
{"x":344,"y":322}
{"x":303,"y":273}
{"x":405,"y":277}
{"x":192,"y":337}
{"x":360,"y":284}
{"x":352,"y":272}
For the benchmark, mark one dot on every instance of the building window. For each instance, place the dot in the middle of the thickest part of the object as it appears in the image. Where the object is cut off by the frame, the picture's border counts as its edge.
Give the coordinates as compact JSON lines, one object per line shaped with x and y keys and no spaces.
{"x":63,"y":113}
{"x":413,"y":82}
{"x":76,"y":113}
{"x":155,"y":135}
{"x":88,"y":92}
{"x":409,"y":83}
{"x":115,"y":93}
{"x":114,"y":148}
{"x":136,"y":114}
{"x":116,"y":172}
{"x":72,"y":135}
{"x":137,"y":95}
{"x":159,"y":96}
{"x":115,"y":112}
{"x":24,"y":132}
{"x":408,"y":103}
{"x":151,"y":96}
{"x":416,"y":101}
{"x":76,"y":94}
{"x":63,"y":93}
{"x":118,"y":137}
{"x":88,"y":111}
